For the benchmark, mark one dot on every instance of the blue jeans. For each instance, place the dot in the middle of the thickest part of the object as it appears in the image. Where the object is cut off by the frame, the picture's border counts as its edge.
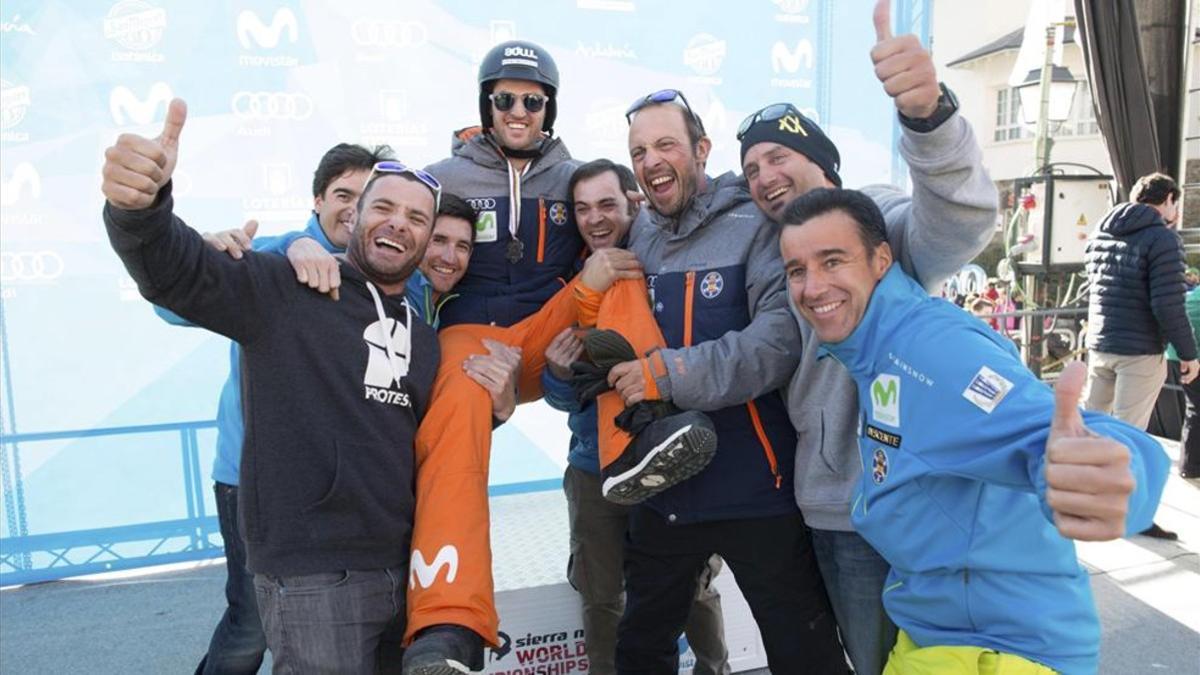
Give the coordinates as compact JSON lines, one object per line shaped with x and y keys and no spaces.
{"x":854,"y":576}
{"x":350,"y":621}
{"x":238,"y":642}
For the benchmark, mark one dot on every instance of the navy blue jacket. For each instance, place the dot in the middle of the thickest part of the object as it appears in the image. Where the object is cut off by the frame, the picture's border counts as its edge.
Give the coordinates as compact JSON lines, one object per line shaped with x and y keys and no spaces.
{"x":1135,"y":267}
{"x":717,"y":286}
{"x":495,"y":290}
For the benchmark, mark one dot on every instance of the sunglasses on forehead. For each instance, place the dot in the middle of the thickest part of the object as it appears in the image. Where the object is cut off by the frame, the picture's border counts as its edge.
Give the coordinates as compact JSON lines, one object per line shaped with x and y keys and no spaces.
{"x":504,"y":101}
{"x":426,"y":178}
{"x":771,"y":113}
{"x":663,"y":96}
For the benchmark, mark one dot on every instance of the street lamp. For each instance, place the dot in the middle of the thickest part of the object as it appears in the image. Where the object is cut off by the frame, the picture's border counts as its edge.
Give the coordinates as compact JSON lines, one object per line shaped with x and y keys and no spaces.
{"x":1062,"y":95}
{"x":1052,"y":88}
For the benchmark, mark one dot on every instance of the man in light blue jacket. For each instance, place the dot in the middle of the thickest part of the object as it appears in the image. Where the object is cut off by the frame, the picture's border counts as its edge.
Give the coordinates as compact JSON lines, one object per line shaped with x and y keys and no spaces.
{"x":948,"y":218}
{"x":976,"y":476}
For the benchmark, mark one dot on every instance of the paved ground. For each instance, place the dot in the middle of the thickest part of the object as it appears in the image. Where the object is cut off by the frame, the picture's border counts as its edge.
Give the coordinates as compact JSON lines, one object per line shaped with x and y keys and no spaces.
{"x":1148,"y":592}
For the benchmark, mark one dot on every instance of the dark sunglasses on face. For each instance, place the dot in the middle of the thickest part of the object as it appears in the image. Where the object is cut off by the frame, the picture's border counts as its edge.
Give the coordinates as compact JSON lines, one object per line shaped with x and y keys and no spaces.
{"x":770,"y":113}
{"x":504,"y":101}
{"x":663,"y":96}
{"x":426,"y":178}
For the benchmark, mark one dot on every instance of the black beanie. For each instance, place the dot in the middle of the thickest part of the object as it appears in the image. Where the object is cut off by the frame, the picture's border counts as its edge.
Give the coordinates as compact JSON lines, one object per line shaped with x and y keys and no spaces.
{"x":801,"y":134}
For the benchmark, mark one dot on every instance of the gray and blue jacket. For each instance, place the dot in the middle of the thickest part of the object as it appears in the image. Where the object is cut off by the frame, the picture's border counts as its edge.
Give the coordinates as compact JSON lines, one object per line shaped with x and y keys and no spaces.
{"x":535,"y":203}
{"x":718,"y":295}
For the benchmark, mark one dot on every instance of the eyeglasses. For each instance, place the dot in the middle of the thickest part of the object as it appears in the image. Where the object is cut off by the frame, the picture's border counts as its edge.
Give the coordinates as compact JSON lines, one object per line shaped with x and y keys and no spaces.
{"x":504,"y":101}
{"x":770,"y":113}
{"x":663,"y":96}
{"x":426,"y":178}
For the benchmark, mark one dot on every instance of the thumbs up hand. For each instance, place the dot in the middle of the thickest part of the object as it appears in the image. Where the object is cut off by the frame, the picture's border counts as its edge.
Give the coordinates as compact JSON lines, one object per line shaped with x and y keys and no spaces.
{"x":136,"y":168}
{"x":1088,"y":481}
{"x":904,"y":67}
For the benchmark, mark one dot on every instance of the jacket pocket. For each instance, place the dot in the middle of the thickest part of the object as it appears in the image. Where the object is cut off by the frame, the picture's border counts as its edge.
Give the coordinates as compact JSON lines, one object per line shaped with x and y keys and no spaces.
{"x":370,"y":496}
{"x":823,"y":447}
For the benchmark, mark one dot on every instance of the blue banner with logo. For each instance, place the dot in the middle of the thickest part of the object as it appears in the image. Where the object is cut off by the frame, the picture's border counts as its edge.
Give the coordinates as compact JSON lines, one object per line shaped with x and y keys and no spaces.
{"x":270,"y":87}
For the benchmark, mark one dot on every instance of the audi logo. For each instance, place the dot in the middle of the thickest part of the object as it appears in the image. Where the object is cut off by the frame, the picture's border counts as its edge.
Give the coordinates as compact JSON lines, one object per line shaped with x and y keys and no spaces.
{"x":482,"y":203}
{"x":272,"y":105}
{"x":382,"y":33}
{"x":30,"y":266}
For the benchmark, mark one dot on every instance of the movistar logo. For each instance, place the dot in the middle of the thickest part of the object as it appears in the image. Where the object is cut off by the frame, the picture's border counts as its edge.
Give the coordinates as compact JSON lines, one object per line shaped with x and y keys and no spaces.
{"x":423,"y":573}
{"x":885,"y":399}
{"x":884,"y":394}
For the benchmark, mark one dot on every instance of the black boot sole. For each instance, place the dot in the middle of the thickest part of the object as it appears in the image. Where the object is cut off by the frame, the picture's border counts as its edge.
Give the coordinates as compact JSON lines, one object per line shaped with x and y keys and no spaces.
{"x":682,"y":455}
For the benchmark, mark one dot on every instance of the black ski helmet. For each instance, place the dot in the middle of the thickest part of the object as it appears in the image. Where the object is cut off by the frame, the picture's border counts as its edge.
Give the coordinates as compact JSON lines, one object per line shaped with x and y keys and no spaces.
{"x":518,"y":60}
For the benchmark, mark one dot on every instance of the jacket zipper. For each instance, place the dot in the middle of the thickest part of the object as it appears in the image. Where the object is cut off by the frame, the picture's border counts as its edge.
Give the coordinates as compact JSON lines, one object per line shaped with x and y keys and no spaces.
{"x":766,"y":443}
{"x":541,"y":256}
{"x":689,"y":295}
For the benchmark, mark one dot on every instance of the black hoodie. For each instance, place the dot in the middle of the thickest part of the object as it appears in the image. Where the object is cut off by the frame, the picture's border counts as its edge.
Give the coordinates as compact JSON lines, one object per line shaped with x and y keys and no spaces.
{"x":327,"y":471}
{"x":1135,"y":267}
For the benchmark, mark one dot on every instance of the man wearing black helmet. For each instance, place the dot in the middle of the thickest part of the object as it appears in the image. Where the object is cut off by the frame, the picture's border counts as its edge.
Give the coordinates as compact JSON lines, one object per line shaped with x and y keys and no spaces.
{"x":515,"y":173}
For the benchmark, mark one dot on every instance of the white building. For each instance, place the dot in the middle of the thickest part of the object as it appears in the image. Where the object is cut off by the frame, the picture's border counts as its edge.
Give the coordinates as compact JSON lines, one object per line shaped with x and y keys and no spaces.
{"x":975,"y":47}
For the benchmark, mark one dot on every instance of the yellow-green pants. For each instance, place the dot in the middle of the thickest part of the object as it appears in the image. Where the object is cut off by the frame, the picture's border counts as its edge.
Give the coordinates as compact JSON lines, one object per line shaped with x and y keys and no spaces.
{"x":907,"y":658}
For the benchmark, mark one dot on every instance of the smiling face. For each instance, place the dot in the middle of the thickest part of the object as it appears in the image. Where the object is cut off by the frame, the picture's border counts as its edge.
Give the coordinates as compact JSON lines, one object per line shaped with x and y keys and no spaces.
{"x":449,"y":252}
{"x":830,"y":273}
{"x":665,"y":162}
{"x":518,"y":129}
{"x":778,"y":174}
{"x":602,"y":211}
{"x":393,"y":230}
{"x":336,"y":207}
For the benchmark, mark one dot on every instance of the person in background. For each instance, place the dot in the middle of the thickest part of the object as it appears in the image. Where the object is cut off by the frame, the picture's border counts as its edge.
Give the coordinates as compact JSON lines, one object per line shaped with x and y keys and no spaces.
{"x":1189,"y":456}
{"x":1135,"y":269}
{"x":1191,"y":277}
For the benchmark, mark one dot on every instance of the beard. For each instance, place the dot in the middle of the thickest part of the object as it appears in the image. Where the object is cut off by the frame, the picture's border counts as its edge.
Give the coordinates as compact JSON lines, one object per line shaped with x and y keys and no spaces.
{"x":379,"y":274}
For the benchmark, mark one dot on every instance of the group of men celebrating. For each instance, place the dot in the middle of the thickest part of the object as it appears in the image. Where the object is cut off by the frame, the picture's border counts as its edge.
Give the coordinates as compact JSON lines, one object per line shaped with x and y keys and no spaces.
{"x":732,"y":354}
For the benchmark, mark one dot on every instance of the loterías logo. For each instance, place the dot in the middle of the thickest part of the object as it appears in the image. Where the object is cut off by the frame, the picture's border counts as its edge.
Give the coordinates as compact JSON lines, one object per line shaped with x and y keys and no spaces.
{"x":127,"y":108}
{"x":252,"y":31}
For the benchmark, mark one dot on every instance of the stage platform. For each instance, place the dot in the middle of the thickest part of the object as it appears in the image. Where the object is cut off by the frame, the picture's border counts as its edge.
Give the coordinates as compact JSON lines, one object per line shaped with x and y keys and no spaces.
{"x":159,"y":620}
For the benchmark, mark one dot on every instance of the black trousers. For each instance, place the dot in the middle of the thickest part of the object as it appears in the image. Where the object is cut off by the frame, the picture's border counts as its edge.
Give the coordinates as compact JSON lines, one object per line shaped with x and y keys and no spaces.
{"x":773,"y":562}
{"x":1189,"y":459}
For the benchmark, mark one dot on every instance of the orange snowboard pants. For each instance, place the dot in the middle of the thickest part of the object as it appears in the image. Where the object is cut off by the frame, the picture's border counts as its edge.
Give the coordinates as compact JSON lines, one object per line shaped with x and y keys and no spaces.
{"x":450,"y":573}
{"x":624,"y":308}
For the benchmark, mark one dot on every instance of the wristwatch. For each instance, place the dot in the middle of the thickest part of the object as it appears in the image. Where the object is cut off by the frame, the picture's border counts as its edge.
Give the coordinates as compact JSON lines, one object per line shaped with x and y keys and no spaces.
{"x":947,"y":103}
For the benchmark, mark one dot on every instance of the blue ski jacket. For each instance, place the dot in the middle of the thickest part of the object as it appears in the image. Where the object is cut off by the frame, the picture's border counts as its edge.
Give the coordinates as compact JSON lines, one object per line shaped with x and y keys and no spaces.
{"x":952,"y":437}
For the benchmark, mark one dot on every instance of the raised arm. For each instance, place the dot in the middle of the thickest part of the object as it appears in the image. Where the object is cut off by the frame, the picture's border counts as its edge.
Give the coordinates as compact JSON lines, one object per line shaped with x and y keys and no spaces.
{"x":169,"y":261}
{"x":951,"y":214}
